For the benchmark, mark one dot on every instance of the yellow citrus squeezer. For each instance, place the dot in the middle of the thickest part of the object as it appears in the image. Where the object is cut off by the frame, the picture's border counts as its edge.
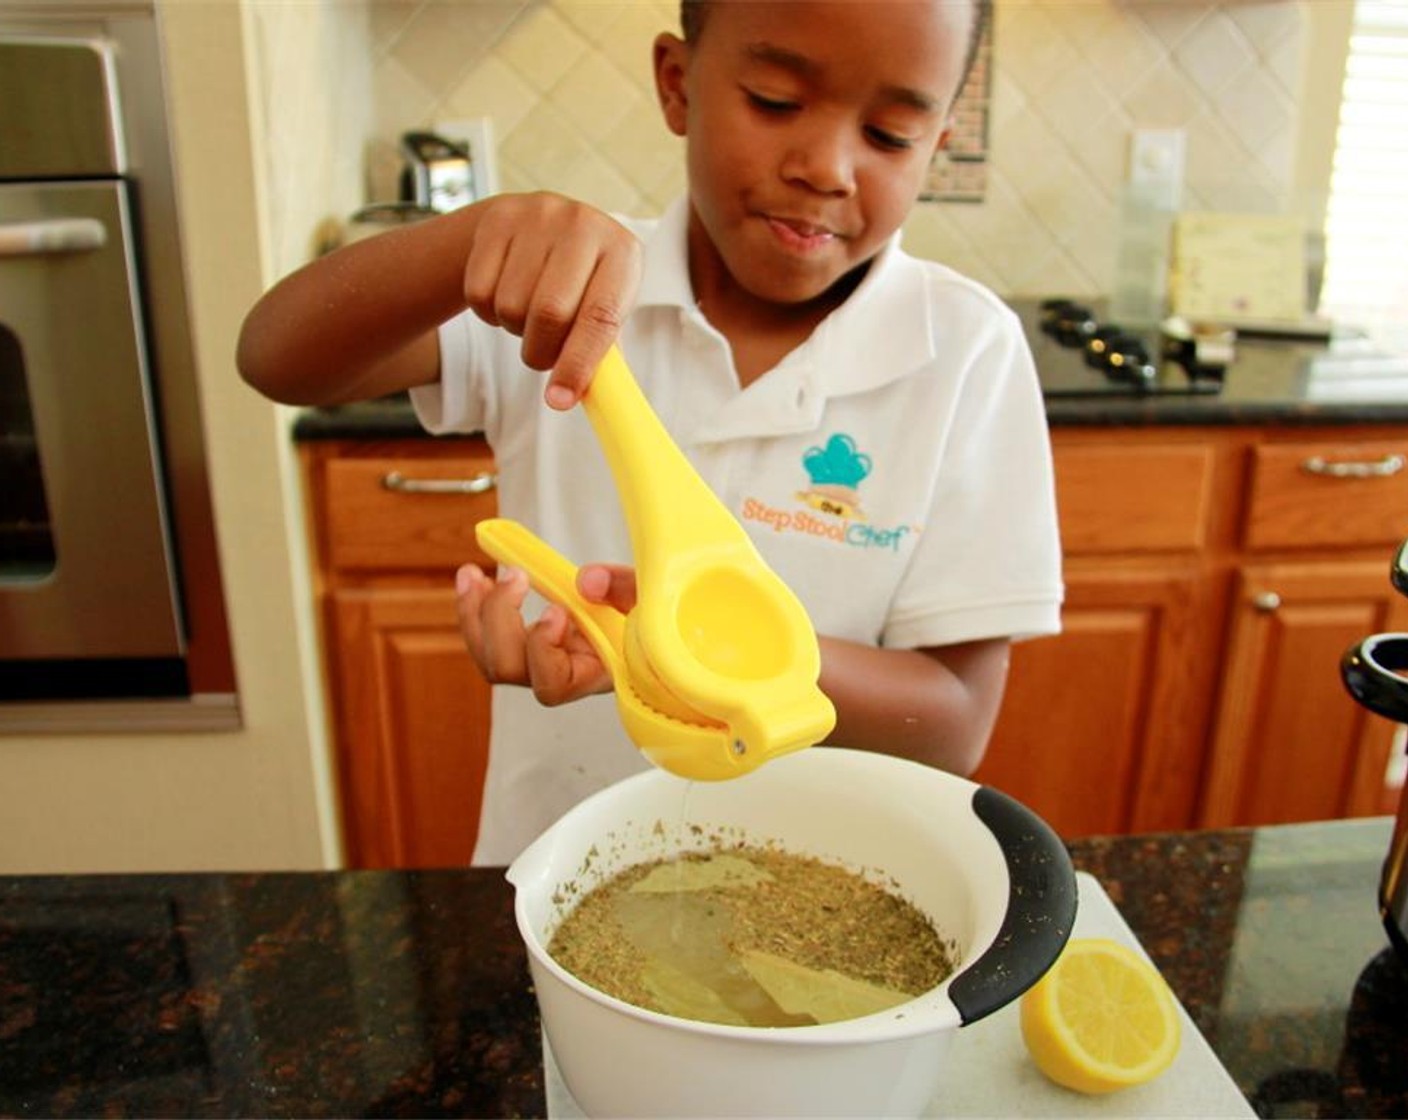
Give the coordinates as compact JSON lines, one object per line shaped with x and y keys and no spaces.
{"x":715,"y":668}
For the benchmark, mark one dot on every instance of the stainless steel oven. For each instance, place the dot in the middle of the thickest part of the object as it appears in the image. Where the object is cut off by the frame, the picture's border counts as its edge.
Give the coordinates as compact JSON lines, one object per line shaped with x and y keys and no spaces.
{"x":98,"y":589}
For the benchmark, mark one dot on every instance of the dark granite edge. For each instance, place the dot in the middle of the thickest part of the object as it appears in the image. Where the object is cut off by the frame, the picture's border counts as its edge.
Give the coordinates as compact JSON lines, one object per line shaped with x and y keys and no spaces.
{"x":396,"y":419}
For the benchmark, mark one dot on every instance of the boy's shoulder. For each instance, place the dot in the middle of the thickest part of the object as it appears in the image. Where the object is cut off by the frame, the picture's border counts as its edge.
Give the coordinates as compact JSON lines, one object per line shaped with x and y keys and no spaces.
{"x":925,"y":306}
{"x":943,"y":285}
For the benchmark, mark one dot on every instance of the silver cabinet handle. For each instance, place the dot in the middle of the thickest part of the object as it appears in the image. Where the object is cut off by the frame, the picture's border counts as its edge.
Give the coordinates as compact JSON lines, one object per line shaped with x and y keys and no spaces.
{"x":481,"y":483}
{"x":56,"y":235}
{"x":1266,"y":601}
{"x":1388,"y":465}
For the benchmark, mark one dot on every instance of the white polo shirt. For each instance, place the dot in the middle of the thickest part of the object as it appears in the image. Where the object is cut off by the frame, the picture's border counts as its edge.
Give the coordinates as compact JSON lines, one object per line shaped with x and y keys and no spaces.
{"x":894,"y":470}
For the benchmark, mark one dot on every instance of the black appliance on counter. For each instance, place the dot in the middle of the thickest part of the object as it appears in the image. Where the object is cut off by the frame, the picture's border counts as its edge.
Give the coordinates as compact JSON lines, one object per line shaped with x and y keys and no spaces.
{"x":1373,"y":671}
{"x":1082,"y":353}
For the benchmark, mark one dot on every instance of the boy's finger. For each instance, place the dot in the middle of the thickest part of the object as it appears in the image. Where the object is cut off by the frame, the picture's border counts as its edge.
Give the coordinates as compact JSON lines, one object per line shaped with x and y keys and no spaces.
{"x":556,"y":300}
{"x":518,"y":279}
{"x":609,"y":296}
{"x":501,"y":629}
{"x":471,"y":585}
{"x":549,"y":665}
{"x":561,"y":664}
{"x":482,"y":271}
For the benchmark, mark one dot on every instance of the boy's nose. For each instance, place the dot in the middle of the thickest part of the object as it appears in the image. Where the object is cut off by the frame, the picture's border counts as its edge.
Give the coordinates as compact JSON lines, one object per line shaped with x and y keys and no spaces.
{"x":823,"y":160}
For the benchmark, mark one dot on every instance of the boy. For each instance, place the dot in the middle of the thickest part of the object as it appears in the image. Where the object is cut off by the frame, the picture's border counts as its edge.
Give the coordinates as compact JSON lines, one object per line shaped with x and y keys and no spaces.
{"x":873,"y":420}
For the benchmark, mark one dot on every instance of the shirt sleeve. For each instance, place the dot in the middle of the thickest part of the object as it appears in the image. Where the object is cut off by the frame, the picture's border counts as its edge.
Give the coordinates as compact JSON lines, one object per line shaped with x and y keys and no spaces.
{"x":989,"y":564}
{"x":457,"y":402}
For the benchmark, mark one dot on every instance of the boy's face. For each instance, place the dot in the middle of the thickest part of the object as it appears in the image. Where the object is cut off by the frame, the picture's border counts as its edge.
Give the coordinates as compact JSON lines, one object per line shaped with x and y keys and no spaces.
{"x":810,"y":127}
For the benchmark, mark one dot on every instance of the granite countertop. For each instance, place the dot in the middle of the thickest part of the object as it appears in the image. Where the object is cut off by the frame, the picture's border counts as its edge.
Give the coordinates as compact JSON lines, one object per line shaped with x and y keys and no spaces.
{"x":1272,"y":382}
{"x":405,"y":993}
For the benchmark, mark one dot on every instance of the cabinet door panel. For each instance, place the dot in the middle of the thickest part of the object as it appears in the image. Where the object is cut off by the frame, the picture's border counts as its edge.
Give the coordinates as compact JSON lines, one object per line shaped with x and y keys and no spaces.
{"x":413,"y":728}
{"x":1291,"y":745}
{"x":1095,"y":717}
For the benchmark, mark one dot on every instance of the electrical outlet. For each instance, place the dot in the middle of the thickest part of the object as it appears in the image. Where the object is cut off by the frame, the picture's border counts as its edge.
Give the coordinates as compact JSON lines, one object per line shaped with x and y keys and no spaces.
{"x":478,"y":133}
{"x":1156,"y":157}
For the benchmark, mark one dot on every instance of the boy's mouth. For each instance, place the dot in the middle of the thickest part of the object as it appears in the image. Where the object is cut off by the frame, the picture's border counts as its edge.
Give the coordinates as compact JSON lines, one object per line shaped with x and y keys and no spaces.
{"x":800,"y":235}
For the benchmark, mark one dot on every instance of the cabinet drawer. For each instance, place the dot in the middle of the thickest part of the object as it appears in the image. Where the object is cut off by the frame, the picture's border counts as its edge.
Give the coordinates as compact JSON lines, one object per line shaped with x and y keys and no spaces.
{"x":1124,"y":498}
{"x":1308,"y":495}
{"x":407,"y":513}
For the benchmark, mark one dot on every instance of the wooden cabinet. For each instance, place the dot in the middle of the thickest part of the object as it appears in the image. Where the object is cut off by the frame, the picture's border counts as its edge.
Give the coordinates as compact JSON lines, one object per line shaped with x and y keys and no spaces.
{"x":1214,"y":577}
{"x":410,"y":712}
{"x":1289,"y":745}
{"x":1075,"y":739}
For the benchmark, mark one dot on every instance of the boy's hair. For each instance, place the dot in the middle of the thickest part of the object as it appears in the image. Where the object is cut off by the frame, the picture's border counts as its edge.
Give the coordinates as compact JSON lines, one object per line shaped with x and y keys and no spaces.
{"x":694,"y":12}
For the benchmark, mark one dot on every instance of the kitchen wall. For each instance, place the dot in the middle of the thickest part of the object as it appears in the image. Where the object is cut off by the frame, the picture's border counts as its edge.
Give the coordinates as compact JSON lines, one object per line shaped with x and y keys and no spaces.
{"x":568,"y":86}
{"x":261,"y":796}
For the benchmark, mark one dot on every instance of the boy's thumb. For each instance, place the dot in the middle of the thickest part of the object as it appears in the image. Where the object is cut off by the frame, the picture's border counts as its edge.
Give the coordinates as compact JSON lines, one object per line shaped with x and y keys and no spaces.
{"x":612,"y":584}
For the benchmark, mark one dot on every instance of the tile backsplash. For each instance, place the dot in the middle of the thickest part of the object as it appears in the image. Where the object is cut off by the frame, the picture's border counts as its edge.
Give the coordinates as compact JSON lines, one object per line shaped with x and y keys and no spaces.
{"x":568,"y":87}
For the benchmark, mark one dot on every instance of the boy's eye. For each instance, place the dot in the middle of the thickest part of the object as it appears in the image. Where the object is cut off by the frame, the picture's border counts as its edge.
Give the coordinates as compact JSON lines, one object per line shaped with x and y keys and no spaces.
{"x":769,"y":104}
{"x":888,"y":140}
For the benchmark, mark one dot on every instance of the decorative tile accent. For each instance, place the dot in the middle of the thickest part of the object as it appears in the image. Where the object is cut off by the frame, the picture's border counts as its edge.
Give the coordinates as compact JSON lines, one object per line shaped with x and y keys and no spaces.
{"x":959,"y":172}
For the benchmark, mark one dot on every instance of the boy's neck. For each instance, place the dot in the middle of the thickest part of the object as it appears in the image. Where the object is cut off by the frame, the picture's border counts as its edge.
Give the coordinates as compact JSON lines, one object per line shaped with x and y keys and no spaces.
{"x":760,"y":333}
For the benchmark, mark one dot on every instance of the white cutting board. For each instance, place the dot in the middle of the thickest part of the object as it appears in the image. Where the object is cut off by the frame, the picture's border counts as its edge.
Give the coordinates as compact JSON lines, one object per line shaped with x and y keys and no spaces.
{"x":999,"y":1080}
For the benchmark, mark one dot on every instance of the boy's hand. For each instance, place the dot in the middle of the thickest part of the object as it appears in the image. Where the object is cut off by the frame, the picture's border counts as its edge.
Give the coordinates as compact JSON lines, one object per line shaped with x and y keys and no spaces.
{"x":560,"y":274}
{"x":550,"y":656}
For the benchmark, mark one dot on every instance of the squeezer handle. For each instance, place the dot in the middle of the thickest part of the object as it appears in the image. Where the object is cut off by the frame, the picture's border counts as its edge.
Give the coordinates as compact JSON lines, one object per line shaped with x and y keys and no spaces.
{"x":669,"y":509}
{"x":554,"y":577}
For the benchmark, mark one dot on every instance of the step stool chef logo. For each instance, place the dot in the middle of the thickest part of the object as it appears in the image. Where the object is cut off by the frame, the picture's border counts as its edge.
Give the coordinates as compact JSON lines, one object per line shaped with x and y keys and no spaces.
{"x":835,"y":471}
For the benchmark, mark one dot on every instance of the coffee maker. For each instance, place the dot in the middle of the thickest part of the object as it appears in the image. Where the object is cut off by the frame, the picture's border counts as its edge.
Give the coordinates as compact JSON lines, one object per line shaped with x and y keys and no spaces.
{"x":1371,"y":671}
{"x":438,"y":174}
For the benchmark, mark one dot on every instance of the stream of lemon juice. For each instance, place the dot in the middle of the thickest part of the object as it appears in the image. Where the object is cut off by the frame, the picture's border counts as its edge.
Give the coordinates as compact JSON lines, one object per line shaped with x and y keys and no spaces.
{"x":684,"y":935}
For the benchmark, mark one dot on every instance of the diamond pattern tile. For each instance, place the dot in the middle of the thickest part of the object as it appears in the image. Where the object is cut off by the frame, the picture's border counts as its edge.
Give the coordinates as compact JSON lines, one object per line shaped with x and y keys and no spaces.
{"x":569,"y":87}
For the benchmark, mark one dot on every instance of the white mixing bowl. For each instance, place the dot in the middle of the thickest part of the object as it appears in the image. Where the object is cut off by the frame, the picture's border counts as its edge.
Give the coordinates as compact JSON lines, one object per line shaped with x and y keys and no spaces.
{"x":994,"y":878}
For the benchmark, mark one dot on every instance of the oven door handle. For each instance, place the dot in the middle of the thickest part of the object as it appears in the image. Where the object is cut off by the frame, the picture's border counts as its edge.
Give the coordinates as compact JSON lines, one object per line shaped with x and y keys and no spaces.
{"x":55,"y":235}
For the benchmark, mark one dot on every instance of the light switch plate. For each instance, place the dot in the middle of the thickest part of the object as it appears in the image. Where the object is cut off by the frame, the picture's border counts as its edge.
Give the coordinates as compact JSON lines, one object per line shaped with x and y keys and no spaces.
{"x":478,"y":133}
{"x":1156,"y":158}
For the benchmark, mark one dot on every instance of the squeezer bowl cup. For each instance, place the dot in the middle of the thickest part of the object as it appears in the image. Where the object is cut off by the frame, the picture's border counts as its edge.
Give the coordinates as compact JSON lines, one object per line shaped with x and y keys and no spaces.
{"x":736,"y":647}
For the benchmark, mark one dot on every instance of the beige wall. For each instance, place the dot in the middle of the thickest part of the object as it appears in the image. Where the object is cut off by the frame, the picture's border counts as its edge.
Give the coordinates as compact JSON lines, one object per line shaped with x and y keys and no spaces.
{"x":258,"y":797}
{"x":567,"y":84}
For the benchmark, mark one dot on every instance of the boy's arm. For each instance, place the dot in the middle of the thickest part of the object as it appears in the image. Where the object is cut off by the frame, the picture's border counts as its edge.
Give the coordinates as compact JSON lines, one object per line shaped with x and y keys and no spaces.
{"x":361,"y":322}
{"x":935,"y":706}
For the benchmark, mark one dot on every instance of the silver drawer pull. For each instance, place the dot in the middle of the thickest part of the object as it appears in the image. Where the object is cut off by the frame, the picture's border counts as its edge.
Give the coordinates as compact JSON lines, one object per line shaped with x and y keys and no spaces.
{"x":1388,"y":465}
{"x":481,"y":483}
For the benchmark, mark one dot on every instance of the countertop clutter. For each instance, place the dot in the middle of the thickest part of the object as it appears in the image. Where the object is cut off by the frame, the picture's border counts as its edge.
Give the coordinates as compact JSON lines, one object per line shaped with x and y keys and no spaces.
{"x":405,"y":993}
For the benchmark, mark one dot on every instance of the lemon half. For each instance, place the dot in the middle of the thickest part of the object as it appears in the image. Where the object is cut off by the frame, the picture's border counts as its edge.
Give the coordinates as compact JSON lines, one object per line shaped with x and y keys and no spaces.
{"x":1101,"y":1019}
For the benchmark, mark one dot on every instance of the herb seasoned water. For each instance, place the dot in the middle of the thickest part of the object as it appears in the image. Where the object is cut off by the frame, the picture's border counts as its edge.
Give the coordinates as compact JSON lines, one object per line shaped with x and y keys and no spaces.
{"x":751,"y":936}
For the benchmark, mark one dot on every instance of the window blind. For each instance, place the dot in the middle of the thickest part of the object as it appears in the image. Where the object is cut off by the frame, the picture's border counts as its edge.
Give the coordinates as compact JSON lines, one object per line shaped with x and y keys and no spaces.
{"x":1366,"y":227}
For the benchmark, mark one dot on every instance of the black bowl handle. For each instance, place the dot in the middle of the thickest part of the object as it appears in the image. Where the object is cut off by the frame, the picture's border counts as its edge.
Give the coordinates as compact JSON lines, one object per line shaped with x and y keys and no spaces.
{"x":1041,"y":908}
{"x":1367,"y":668}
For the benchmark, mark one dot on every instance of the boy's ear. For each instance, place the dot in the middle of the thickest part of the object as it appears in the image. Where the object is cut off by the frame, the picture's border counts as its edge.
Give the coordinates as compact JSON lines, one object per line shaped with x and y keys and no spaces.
{"x":671,"y":58}
{"x":943,"y":138}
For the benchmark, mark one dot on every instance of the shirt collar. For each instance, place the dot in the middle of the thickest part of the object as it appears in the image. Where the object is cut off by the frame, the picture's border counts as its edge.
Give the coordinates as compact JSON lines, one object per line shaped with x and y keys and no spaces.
{"x":665,"y":261}
{"x":882,"y":332}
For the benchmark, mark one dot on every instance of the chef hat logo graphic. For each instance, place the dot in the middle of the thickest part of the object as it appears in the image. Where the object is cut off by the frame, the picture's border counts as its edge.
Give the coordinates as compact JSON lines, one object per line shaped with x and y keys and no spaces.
{"x":836,"y":464}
